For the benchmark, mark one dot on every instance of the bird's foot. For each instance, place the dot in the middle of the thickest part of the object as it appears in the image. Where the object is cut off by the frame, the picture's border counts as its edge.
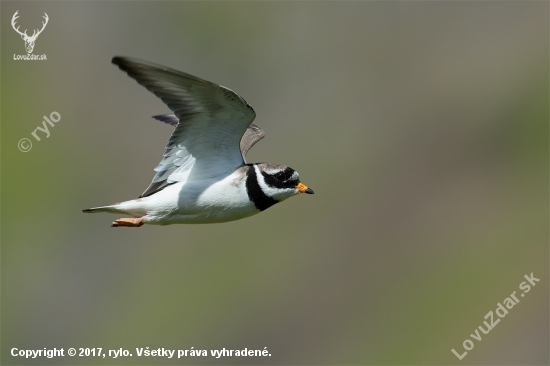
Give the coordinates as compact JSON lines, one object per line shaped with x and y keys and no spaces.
{"x":128,"y":222}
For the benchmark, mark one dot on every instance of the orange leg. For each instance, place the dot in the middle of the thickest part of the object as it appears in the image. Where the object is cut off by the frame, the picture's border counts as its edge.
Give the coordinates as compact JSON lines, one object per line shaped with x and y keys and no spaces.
{"x":128,"y":222}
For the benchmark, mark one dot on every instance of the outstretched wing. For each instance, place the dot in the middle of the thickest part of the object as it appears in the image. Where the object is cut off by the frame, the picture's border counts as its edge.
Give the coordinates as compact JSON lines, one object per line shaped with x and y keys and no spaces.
{"x":212,"y":120}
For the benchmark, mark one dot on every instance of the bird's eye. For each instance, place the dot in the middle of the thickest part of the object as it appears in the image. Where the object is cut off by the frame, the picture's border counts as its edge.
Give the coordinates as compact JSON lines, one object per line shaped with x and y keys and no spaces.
{"x":280,"y":176}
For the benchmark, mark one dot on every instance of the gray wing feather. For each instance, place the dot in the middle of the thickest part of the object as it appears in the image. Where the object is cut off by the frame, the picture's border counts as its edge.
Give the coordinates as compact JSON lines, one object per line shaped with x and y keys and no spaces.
{"x":252,"y":135}
{"x":211,"y":121}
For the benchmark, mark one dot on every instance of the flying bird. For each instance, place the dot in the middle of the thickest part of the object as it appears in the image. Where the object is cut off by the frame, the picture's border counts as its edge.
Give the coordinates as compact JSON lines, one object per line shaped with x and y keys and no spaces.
{"x":203,"y":176}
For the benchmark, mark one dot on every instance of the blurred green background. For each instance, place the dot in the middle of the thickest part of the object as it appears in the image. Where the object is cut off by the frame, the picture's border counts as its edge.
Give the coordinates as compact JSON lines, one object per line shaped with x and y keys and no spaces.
{"x":421,"y":126}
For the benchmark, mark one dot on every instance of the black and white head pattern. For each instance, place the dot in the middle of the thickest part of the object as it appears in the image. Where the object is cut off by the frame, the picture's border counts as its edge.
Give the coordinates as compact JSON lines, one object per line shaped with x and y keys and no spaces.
{"x":268,"y":184}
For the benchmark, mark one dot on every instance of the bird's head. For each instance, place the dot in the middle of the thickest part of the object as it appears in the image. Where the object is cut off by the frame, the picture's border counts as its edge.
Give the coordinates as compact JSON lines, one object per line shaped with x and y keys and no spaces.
{"x":280,"y":182}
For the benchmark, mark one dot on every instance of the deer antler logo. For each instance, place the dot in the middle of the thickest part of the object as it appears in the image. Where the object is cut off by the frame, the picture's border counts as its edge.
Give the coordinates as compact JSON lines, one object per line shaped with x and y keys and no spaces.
{"x":29,"y":40}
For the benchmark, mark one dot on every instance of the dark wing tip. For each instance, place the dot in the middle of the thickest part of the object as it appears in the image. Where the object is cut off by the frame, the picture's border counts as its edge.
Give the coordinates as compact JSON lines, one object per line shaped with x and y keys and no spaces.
{"x":123,"y":60}
{"x":135,"y":66}
{"x":170,"y":119}
{"x":126,"y":64}
{"x":132,"y":64}
{"x":119,"y":60}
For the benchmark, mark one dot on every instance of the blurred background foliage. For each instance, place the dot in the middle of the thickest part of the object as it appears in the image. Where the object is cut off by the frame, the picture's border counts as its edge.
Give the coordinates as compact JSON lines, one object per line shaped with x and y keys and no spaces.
{"x":421,"y":126}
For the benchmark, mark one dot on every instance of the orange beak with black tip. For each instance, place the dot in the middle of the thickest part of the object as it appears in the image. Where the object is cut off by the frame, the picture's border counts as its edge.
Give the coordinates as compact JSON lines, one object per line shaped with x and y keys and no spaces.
{"x":304,"y":189}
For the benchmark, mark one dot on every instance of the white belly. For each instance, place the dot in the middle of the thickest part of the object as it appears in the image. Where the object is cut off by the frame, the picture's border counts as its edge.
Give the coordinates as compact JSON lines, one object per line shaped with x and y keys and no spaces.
{"x":197,"y":202}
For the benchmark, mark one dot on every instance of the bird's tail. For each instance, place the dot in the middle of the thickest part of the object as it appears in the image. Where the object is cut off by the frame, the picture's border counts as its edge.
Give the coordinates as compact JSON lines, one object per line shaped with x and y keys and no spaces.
{"x":112,"y":208}
{"x":132,"y":208}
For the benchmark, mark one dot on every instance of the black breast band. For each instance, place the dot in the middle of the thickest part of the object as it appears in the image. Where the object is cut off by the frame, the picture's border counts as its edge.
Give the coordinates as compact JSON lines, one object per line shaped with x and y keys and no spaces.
{"x":255,"y":193}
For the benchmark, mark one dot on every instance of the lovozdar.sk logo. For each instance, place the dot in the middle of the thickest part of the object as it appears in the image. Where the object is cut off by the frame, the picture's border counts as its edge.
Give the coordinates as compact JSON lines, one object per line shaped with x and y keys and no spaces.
{"x":29,"y":40}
